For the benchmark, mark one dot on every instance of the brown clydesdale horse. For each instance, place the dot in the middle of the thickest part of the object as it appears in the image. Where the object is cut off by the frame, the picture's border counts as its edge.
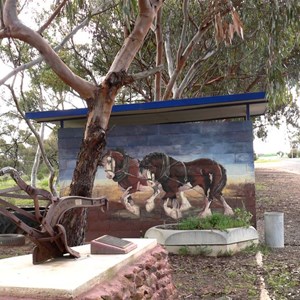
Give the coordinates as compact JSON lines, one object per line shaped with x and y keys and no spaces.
{"x":125,"y":170}
{"x":173,"y":174}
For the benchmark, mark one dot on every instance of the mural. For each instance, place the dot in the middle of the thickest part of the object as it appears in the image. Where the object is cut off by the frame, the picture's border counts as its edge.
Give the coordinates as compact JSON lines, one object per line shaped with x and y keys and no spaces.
{"x":168,"y":179}
{"x":155,"y":174}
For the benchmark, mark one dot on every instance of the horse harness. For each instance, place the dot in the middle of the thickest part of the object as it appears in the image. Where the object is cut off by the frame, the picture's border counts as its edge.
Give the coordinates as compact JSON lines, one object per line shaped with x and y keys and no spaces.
{"x":166,"y":166}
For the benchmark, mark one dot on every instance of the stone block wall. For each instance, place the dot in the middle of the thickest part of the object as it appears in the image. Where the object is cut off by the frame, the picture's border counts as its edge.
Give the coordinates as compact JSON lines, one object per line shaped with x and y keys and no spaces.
{"x":150,"y":277}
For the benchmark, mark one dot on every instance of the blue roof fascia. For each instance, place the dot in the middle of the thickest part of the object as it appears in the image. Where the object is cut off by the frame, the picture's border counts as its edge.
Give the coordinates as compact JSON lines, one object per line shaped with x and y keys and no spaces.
{"x":211,"y":100}
{"x":189,"y":102}
{"x":76,"y":112}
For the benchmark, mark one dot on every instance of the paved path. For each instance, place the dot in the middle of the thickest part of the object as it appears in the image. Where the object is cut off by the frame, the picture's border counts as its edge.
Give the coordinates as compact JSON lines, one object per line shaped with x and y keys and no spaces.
{"x":291,"y":165}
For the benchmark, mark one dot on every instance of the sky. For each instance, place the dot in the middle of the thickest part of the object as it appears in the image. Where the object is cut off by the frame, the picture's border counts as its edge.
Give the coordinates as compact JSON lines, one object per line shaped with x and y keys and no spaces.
{"x":277,"y":140}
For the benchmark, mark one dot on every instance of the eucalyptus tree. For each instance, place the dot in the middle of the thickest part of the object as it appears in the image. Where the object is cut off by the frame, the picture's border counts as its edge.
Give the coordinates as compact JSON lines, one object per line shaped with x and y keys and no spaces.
{"x":13,"y":149}
{"x":191,"y":48}
{"x":216,"y":62}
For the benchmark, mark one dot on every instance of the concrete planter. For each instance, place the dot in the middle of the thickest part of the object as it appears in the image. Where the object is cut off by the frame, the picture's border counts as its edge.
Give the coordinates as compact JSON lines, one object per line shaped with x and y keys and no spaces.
{"x":206,"y":242}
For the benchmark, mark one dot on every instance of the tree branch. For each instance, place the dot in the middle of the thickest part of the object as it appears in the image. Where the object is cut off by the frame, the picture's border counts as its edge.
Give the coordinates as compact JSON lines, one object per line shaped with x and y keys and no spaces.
{"x":16,"y":29}
{"x":190,"y":74}
{"x":38,"y":138}
{"x":159,"y":54}
{"x":116,"y":76}
{"x":144,"y":74}
{"x":207,"y":23}
{"x":169,"y":58}
{"x":41,"y":58}
{"x":184,"y":28}
{"x":56,"y":48}
{"x":182,"y":61}
{"x":52,"y":17}
{"x":148,"y":11}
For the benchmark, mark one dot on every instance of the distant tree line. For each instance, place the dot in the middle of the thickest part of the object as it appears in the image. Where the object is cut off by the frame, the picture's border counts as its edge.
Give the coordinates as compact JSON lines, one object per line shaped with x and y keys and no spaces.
{"x":19,"y":148}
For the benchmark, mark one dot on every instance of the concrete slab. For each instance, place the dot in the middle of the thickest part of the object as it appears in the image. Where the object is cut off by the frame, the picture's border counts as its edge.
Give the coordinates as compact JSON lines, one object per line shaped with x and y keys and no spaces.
{"x":63,"y":278}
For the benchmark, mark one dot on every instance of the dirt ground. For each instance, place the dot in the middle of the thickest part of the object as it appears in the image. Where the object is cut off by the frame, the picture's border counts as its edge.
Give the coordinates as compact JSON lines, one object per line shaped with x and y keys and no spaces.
{"x":259,"y":273}
{"x":268,"y":274}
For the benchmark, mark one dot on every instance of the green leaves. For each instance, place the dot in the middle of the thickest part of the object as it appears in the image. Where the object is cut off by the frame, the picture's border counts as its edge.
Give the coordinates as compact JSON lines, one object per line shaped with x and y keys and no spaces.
{"x":73,"y":8}
{"x":130,"y":11}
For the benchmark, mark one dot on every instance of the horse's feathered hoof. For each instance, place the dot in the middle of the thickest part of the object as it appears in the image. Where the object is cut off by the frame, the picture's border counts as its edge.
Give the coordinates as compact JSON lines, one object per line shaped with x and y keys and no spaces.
{"x":205,"y":213}
{"x":130,"y":205}
{"x":185,"y":206}
{"x":173,"y":212}
{"x":134,"y":209}
{"x":149,"y":206}
{"x":228,"y":211}
{"x":156,"y":189}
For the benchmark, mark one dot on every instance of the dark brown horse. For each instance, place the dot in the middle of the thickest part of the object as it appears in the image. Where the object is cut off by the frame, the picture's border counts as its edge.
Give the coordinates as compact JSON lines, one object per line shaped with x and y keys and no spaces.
{"x":125,"y":170}
{"x":173,"y":174}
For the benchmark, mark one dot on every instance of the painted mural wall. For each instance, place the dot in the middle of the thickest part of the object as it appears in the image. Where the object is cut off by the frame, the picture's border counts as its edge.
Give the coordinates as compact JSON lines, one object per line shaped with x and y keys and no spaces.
{"x":193,"y":155}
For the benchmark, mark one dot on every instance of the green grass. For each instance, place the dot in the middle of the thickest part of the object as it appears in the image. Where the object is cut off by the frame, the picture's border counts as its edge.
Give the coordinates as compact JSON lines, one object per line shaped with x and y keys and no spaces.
{"x":260,"y":186}
{"x":184,"y":250}
{"x":7,"y":182}
{"x":268,"y":158}
{"x":217,"y":221}
{"x":197,"y":250}
{"x":280,"y":281}
{"x":254,"y":248}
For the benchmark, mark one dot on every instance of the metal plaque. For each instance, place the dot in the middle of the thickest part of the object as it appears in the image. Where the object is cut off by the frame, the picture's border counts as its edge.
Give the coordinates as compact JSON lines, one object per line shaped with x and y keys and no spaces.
{"x":108,"y":244}
{"x":113,"y":241}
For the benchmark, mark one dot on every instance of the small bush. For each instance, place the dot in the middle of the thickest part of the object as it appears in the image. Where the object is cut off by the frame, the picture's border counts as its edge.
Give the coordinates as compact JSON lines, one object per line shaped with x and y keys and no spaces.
{"x":218,"y":221}
{"x":184,"y":250}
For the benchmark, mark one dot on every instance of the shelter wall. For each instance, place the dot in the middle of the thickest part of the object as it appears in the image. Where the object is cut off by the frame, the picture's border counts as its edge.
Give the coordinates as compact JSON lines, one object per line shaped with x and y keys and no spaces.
{"x":227,"y":142}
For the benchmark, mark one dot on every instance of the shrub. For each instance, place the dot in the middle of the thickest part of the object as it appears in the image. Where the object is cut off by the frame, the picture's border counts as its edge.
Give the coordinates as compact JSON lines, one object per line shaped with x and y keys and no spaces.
{"x":218,"y":221}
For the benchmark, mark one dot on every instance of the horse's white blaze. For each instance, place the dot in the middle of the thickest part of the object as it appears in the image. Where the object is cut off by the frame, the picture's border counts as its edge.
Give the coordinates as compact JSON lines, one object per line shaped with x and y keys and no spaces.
{"x":150,"y":177}
{"x":109,"y":167}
